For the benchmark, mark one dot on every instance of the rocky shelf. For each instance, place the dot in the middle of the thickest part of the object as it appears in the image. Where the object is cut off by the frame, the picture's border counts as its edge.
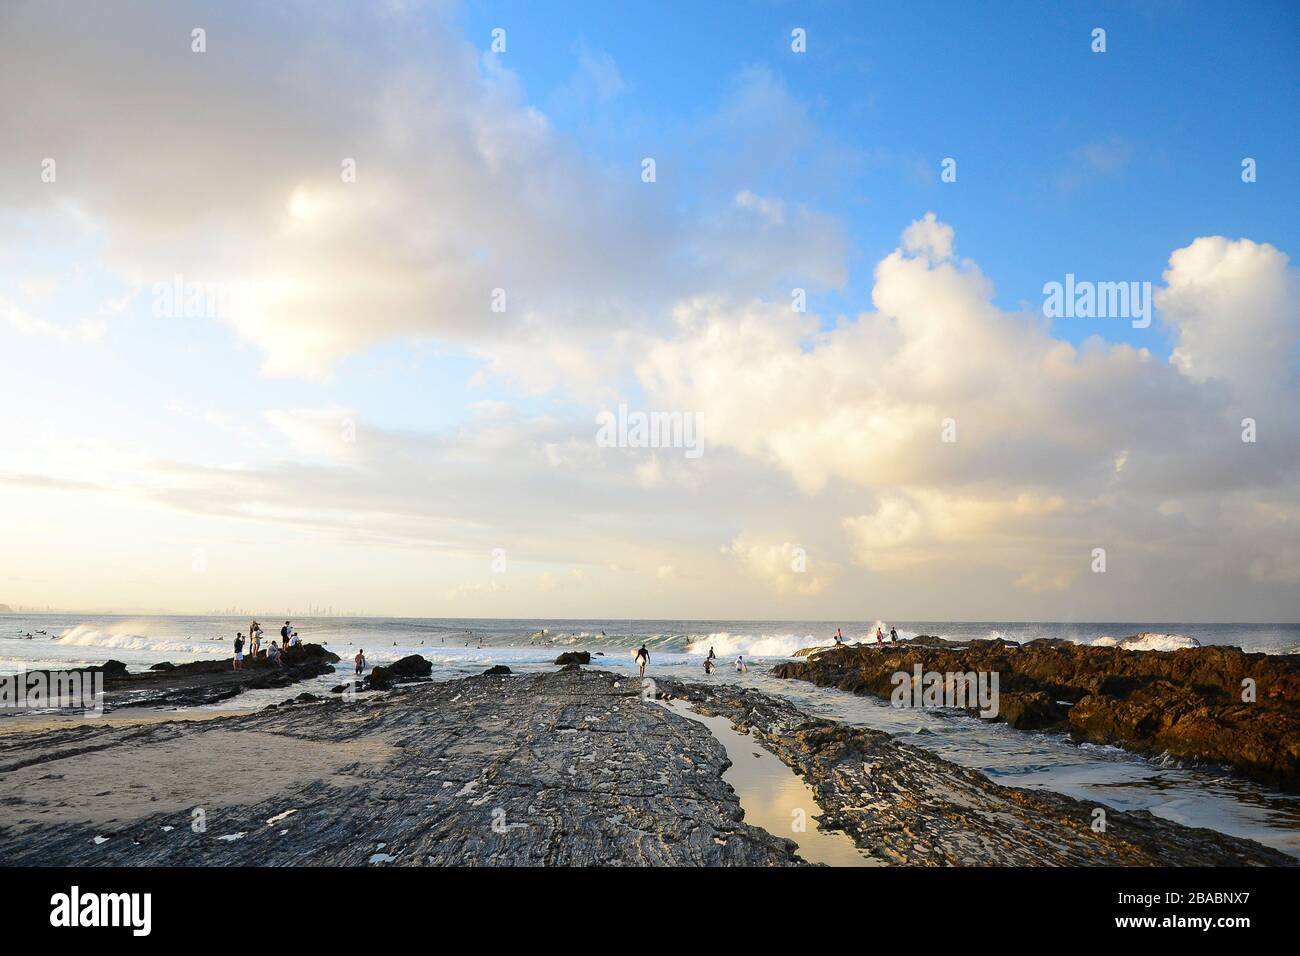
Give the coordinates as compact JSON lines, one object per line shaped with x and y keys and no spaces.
{"x":574,"y":768}
{"x":207,"y":682}
{"x":1186,"y":703}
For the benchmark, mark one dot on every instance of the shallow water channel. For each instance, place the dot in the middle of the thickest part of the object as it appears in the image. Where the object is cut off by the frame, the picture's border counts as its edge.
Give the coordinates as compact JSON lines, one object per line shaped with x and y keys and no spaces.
{"x":773,"y":796}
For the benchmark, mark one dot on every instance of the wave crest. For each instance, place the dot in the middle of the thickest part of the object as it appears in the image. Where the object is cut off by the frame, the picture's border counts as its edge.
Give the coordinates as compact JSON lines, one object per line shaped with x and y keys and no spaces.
{"x":725,"y":644}
{"x":124,"y":636}
{"x":1148,"y":641}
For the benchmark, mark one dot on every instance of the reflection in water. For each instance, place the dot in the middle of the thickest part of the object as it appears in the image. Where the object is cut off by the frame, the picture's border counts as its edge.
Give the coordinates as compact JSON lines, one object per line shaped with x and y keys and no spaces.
{"x":773,"y":796}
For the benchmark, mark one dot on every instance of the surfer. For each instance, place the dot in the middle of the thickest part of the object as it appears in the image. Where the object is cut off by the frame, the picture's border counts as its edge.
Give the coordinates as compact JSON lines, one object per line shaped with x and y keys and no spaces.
{"x":740,"y":664}
{"x":893,"y":636}
{"x":642,"y":658}
{"x":711,"y":654}
{"x":880,"y":635}
{"x":839,"y":636}
{"x":708,"y":665}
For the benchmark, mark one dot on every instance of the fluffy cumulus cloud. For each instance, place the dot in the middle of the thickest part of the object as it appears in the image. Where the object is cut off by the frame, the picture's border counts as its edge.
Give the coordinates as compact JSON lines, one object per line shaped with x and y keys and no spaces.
{"x":230,"y":173}
{"x":936,"y":443}
{"x":782,"y":566}
{"x":974,"y":437}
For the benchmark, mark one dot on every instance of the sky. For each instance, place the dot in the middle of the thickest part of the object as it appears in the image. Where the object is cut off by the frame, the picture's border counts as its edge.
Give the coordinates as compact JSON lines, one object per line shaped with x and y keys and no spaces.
{"x":330,"y":304}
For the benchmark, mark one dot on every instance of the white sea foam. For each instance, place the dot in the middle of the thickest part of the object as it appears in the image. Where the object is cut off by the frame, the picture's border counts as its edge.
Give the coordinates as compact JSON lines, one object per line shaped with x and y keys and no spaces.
{"x":725,"y":644}
{"x":124,"y":635}
{"x":1149,"y":642}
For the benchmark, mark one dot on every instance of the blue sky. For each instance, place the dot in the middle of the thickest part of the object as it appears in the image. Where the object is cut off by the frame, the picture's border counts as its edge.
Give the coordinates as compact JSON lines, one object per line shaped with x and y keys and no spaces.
{"x":1011,"y":90}
{"x":222,"y":433}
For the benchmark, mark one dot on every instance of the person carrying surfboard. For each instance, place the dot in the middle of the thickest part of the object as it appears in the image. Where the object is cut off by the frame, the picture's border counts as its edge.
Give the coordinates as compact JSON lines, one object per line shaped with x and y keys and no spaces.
{"x":642,"y":657}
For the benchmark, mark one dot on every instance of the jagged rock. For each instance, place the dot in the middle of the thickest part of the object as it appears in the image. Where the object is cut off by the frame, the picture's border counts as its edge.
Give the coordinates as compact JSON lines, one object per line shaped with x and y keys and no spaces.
{"x":905,"y":805}
{"x":209,"y":681}
{"x":410,"y":668}
{"x":1034,"y":711}
{"x":1186,"y":703}
{"x":163,"y":666}
{"x":810,"y":651}
{"x":497,"y":671}
{"x":574,"y":657}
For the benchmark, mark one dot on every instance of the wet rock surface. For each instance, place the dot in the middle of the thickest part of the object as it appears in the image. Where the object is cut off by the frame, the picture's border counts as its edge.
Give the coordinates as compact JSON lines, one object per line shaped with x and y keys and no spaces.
{"x":905,"y":805}
{"x":1186,"y":703}
{"x":571,"y":767}
{"x":413,"y":667}
{"x":566,"y":768}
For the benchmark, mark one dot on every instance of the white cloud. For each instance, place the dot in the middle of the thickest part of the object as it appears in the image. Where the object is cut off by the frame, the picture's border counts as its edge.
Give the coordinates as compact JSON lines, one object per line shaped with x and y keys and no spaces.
{"x":1059,"y":447}
{"x":462,"y":187}
{"x":783,"y":566}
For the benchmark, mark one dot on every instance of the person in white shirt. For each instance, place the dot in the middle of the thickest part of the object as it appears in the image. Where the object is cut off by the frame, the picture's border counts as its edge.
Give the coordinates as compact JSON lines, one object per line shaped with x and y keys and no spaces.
{"x":740,"y":664}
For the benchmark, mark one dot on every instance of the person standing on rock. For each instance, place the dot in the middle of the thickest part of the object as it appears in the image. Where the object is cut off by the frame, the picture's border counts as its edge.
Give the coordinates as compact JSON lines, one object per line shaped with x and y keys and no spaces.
{"x":880,"y":636}
{"x":254,"y":639}
{"x":642,"y":658}
{"x":361,"y":661}
{"x":839,"y":636}
{"x":284,"y":634}
{"x":893,"y":635}
{"x":239,"y":652}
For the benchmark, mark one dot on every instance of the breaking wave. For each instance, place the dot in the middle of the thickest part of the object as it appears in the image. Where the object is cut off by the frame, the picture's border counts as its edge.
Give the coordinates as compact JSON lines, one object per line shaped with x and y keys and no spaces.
{"x":725,"y":644}
{"x":1149,"y":642}
{"x":125,"y":636}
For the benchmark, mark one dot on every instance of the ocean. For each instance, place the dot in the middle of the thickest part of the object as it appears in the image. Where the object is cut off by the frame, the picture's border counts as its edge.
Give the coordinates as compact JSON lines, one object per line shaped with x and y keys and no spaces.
{"x":1190,"y":794}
